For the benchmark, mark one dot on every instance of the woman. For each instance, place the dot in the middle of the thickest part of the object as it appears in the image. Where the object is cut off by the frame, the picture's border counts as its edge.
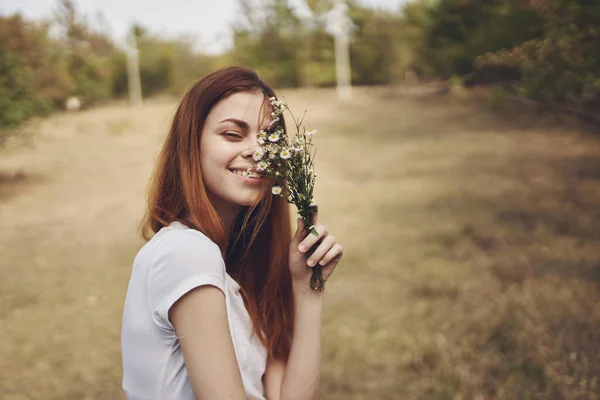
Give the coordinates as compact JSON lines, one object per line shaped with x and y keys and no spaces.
{"x":219,"y":304}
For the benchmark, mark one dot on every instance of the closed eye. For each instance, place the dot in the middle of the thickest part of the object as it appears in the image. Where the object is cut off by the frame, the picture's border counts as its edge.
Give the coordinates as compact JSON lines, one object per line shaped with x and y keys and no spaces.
{"x":233,"y":135}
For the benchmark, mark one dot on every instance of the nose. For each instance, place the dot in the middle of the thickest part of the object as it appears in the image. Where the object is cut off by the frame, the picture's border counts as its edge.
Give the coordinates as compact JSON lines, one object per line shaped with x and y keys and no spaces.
{"x":250,"y":148}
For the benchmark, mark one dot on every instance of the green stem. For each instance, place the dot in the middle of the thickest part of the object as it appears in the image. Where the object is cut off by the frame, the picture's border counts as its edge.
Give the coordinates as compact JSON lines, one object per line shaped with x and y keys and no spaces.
{"x":316,"y":280}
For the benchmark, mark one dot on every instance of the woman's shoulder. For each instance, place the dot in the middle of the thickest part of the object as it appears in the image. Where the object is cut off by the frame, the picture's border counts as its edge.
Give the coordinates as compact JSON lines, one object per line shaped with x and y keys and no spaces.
{"x":178,"y":239}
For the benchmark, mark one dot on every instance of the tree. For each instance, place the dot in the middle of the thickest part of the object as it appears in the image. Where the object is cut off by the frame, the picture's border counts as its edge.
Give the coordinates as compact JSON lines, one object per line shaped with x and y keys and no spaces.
{"x":33,"y":76}
{"x":372,"y":47}
{"x":166,"y":65}
{"x":455,"y":33}
{"x":563,"y":63}
{"x":268,"y":40}
{"x":89,"y":54}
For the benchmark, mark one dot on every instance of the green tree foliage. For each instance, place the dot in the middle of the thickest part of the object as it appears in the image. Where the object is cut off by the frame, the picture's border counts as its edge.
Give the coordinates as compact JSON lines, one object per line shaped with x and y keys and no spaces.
{"x":373,"y":45}
{"x":318,"y":64}
{"x":563,"y":63}
{"x":288,"y":51}
{"x":33,"y":75}
{"x":89,"y":54}
{"x":453,"y":33}
{"x":166,"y":65}
{"x":549,"y":48}
{"x":18,"y":98}
{"x":40,"y":71}
{"x":270,"y":40}
{"x":416,"y":20}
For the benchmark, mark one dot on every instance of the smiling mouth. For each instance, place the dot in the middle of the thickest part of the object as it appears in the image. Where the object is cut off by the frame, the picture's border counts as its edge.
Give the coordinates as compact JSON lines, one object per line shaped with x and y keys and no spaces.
{"x":245,"y":174}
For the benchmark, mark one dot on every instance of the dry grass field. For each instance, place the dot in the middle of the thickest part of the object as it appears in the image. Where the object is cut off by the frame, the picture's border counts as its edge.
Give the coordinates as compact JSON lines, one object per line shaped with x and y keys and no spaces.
{"x":472,"y":240}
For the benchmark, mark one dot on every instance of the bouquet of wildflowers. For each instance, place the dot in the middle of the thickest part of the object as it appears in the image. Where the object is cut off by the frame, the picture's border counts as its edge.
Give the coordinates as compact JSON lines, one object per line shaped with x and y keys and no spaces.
{"x":289,"y":161}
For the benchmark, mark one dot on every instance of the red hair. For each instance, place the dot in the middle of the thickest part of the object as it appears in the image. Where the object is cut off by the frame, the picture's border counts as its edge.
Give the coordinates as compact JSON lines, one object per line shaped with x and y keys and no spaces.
{"x":257,"y":256}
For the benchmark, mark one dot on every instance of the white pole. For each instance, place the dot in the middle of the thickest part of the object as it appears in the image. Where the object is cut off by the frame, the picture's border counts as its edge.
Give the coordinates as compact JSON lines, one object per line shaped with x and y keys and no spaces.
{"x":341,"y":26}
{"x":342,"y":57}
{"x":133,"y":71}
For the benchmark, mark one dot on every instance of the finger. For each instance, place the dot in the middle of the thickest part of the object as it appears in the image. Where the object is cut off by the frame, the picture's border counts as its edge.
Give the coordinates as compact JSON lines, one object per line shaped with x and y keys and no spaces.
{"x":298,"y":235}
{"x":326,"y":245}
{"x":299,"y":227}
{"x":333,"y":255}
{"x":315,"y":210}
{"x":310,"y":240}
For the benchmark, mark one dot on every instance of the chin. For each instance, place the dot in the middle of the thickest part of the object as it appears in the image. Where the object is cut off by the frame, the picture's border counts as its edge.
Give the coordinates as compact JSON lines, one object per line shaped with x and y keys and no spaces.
{"x":252,"y":198}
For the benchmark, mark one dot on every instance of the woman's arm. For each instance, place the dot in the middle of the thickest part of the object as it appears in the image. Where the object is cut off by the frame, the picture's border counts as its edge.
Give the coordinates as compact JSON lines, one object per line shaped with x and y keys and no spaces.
{"x":299,"y":379}
{"x":200,"y":322}
{"x":302,"y":373}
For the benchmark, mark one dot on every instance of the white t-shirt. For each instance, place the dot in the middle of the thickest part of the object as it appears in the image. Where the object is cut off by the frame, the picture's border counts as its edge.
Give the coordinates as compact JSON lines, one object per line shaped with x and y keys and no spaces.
{"x":176,"y":260}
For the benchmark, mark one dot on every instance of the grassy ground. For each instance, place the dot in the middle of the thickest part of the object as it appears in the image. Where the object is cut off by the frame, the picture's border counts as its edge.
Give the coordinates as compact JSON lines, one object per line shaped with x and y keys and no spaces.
{"x":472,"y":264}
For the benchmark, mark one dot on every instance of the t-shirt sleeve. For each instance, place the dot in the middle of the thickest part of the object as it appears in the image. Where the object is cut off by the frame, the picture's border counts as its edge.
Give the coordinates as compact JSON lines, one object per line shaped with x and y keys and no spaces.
{"x":183,"y":260}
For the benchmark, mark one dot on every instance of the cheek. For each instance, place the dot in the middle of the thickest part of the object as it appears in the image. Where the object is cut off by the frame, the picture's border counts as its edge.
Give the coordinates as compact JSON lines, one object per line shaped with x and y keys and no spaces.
{"x":214,"y":155}
{"x":215,"y":158}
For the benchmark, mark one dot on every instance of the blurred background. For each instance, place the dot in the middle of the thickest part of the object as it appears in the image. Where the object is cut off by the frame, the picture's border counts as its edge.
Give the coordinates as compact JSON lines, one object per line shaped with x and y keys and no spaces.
{"x":458,"y":161}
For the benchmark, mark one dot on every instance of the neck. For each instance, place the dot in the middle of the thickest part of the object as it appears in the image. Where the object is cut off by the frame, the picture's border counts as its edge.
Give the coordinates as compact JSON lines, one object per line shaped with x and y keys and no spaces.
{"x":228,"y":213}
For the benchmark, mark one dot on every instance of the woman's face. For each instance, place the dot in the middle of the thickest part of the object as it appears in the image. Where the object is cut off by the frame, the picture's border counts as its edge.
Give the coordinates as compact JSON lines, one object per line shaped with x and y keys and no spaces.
{"x":227,"y":144}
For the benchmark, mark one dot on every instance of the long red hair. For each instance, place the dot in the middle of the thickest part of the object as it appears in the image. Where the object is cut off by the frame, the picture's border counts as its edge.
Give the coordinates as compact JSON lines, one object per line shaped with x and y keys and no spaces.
{"x":257,"y":254}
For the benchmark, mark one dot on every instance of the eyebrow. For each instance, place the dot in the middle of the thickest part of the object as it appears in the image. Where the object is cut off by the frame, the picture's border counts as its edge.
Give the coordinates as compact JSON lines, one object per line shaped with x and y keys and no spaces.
{"x":241,"y":123}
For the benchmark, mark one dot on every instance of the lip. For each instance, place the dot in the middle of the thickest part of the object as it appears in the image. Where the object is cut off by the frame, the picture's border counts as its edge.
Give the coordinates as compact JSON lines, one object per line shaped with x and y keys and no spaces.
{"x":246,"y":180}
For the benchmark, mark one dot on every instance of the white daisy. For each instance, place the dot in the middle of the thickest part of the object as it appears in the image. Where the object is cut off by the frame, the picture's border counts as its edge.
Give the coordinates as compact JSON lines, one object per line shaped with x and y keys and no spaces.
{"x":276,"y":190}
{"x":273,"y":137}
{"x":261,"y":166}
{"x":258,"y":154}
{"x":312,"y":132}
{"x":285,"y":154}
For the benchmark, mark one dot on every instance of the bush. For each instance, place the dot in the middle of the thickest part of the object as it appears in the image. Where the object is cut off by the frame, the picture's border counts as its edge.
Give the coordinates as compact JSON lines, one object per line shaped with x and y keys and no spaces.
{"x":499,"y":97}
{"x":563,"y":64}
{"x":18,"y":97}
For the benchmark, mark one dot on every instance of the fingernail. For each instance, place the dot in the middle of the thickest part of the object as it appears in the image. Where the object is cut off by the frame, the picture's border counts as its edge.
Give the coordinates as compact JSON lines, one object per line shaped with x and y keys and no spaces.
{"x":302,"y":248}
{"x":310,"y":263}
{"x":322,"y":262}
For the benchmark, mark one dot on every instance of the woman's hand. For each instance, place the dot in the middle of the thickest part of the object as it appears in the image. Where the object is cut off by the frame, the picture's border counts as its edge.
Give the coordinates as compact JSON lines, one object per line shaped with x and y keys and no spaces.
{"x":327,"y":254}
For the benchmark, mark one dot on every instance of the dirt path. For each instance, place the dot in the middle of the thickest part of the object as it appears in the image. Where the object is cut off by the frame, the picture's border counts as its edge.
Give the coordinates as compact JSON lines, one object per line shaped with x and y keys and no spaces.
{"x":68,"y":237}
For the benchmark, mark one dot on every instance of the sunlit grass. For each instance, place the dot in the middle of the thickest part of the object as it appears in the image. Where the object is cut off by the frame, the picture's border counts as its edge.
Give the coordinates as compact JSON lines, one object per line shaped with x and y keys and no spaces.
{"x":471,"y":265}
